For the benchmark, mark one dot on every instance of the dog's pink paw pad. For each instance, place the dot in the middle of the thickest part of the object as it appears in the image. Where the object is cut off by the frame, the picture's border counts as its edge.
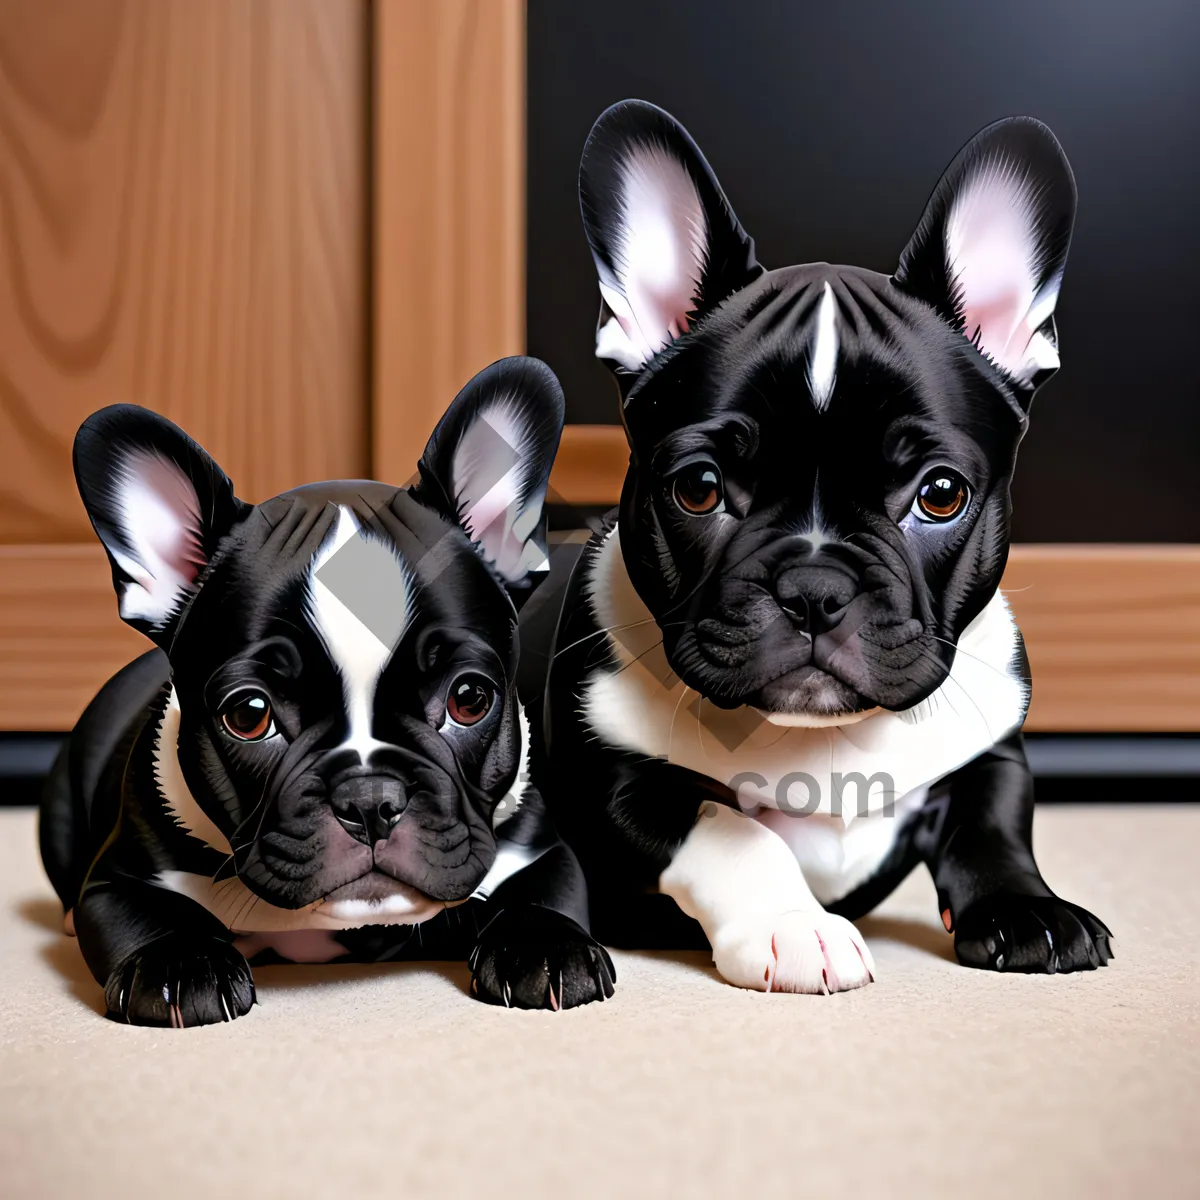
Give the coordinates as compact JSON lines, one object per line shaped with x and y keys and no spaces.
{"x":817,"y":953}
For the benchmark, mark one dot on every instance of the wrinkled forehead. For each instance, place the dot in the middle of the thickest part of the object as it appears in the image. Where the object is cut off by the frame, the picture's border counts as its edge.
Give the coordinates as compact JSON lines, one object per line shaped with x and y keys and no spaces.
{"x":820,"y":350}
{"x":360,"y":568}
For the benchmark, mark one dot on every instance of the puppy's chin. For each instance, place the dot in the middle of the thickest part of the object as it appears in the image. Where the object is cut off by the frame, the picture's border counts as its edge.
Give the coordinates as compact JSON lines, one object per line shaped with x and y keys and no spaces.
{"x":378,"y":899}
{"x":810,"y":698}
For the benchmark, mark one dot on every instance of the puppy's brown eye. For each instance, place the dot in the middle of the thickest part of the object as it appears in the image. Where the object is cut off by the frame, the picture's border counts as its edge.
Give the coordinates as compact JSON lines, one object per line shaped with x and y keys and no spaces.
{"x":248,"y":717}
{"x":942,"y":496}
{"x":470,"y":700}
{"x":697,"y":490}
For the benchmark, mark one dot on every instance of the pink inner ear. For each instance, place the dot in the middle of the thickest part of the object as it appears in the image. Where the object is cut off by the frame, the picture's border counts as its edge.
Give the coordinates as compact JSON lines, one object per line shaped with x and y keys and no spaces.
{"x":992,"y":252}
{"x":991,"y":323}
{"x":663,"y":248}
{"x":162,"y":517}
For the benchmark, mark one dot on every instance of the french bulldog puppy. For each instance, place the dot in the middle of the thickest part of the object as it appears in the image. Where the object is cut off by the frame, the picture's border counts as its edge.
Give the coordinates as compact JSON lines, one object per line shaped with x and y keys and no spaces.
{"x":324,"y":758}
{"x":784,"y":675}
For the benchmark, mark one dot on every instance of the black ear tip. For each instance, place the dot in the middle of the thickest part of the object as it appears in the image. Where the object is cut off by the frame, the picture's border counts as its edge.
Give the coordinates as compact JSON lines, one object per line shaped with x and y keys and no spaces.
{"x":107,"y":418}
{"x":1025,"y":139}
{"x":108,"y":432}
{"x":535,"y":376}
{"x":523,"y":376}
{"x":631,"y":112}
{"x":126,"y":420}
{"x":102,"y":428}
{"x":125,"y":424}
{"x":1021,"y":126}
{"x":629,"y":120}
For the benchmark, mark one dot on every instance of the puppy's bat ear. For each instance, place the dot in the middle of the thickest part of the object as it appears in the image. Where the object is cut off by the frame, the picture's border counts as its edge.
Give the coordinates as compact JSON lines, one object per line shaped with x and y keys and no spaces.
{"x":990,"y":250}
{"x":487,"y":465}
{"x":667,"y":245}
{"x":159,"y":504}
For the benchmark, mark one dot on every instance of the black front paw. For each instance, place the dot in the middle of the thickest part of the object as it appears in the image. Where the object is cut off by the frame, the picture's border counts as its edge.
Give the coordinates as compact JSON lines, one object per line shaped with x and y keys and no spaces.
{"x":1041,"y":934}
{"x":179,"y":981}
{"x":534,"y":957}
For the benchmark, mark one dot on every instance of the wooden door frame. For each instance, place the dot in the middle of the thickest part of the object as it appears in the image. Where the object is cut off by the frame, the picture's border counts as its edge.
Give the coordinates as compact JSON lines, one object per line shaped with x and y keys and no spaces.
{"x":448,"y":232}
{"x":191,"y":239}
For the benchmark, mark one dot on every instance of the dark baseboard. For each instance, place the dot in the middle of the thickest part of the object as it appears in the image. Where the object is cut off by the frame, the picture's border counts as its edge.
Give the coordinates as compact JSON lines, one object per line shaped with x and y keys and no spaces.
{"x":25,"y":760}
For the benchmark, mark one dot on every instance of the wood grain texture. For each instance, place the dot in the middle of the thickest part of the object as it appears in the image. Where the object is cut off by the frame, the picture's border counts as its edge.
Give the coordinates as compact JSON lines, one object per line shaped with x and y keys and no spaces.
{"x":1113,"y":634}
{"x":449,"y":205}
{"x":60,"y":636}
{"x":591,"y":465}
{"x":182,"y":225}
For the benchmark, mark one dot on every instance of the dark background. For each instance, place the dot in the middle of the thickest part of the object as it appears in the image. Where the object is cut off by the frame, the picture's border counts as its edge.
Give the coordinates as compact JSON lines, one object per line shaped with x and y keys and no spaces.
{"x":829,"y":125}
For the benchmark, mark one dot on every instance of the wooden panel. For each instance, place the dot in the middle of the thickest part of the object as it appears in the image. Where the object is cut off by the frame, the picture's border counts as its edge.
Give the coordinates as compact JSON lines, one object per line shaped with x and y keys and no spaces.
{"x":182,"y":208}
{"x":1113,"y":635}
{"x":591,"y":465}
{"x":60,"y":636}
{"x":449,"y":281}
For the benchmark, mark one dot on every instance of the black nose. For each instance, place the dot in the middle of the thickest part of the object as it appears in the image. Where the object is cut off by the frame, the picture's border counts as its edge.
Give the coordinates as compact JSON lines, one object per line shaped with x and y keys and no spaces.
{"x":797,"y":612}
{"x":817,"y":605}
{"x":368,"y":806}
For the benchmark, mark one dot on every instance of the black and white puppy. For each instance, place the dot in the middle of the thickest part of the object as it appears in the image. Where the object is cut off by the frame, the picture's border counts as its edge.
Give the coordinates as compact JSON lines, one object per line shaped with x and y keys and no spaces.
{"x":325,"y":757}
{"x":792,"y":626}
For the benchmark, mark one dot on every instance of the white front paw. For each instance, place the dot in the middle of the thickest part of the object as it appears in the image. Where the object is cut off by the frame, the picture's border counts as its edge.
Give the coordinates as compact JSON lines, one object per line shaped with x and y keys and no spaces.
{"x":794,"y":952}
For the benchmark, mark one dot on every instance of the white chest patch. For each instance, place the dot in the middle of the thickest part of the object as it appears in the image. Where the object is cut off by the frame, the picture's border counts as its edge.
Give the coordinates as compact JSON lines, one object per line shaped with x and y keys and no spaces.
{"x":813,"y":783}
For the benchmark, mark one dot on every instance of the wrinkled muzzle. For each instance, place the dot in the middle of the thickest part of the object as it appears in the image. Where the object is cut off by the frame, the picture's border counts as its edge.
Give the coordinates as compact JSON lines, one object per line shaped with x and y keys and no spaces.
{"x":799,"y":625}
{"x":334,"y":825}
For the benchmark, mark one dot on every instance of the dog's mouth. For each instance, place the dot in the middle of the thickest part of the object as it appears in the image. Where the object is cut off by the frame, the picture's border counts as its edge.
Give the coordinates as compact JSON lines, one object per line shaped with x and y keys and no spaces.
{"x":839,"y":677}
{"x":819,"y":720}
{"x":813,"y":698}
{"x":802,"y":695}
{"x":377,"y":897}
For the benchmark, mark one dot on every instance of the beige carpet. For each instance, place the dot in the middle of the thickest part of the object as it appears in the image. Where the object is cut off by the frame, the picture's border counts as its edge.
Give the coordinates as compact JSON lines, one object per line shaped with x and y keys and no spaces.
{"x":391,"y":1081}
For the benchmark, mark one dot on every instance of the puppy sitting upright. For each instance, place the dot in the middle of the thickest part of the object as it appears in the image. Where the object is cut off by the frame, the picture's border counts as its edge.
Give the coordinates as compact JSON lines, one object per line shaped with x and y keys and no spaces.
{"x":784,"y":674}
{"x":325,"y":757}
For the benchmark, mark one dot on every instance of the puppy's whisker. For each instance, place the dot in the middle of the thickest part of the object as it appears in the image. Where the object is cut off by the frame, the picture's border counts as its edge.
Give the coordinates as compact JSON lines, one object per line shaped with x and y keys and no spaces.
{"x":235,"y":847}
{"x":601,"y":632}
{"x":982,"y":662}
{"x":643,"y":654}
{"x":674,"y":718}
{"x":619,"y":629}
{"x":245,"y":912}
{"x":982,"y":715}
{"x":293,"y":763}
{"x":959,"y":684}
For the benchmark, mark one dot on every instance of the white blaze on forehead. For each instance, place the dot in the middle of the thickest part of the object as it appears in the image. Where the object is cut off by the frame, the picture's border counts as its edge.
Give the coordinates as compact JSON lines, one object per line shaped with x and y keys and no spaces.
{"x":355,"y":648}
{"x":659,"y":254}
{"x":822,"y":361}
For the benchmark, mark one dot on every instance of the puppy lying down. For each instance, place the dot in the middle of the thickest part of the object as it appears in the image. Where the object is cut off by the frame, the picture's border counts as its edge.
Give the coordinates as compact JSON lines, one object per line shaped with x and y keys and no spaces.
{"x":324,"y":757}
